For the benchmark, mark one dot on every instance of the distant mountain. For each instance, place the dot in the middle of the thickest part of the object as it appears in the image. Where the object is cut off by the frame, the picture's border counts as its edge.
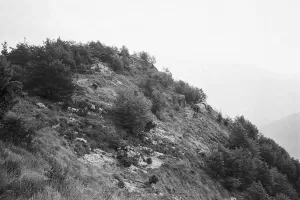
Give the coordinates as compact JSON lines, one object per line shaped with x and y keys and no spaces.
{"x":286,"y":132}
{"x":260,"y":95}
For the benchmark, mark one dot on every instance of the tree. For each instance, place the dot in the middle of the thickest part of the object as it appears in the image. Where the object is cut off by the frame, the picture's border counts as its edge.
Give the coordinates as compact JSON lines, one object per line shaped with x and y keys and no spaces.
{"x":124,"y":51}
{"x":52,"y":81}
{"x":20,"y":55}
{"x":147,"y":57}
{"x":8,"y":88}
{"x":4,"y":51}
{"x":256,"y":192}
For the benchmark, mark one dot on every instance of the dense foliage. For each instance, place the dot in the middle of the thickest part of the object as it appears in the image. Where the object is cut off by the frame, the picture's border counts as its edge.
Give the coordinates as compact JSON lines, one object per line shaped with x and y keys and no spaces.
{"x":8,"y":87}
{"x":192,"y":94}
{"x":132,"y":111}
{"x":254,"y":164}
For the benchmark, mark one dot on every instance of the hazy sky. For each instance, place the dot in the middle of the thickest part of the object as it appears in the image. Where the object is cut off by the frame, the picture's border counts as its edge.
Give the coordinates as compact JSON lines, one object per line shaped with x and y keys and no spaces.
{"x":188,"y":36}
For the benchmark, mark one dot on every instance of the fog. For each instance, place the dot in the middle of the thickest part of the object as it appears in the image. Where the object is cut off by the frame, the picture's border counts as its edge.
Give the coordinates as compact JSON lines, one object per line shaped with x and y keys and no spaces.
{"x":243,"y":53}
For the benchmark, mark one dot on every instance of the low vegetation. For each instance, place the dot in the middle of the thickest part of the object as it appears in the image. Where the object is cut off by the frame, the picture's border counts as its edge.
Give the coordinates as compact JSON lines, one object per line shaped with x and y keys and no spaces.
{"x":132,"y":111}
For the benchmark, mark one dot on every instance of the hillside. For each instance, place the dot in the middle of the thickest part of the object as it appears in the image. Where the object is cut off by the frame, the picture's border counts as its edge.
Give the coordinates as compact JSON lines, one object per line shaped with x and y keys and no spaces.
{"x":89,"y":121}
{"x":286,"y":132}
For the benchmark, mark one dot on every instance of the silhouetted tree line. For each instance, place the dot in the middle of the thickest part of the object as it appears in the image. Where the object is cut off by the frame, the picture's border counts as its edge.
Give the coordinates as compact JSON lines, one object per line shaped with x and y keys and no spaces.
{"x":255,"y":165}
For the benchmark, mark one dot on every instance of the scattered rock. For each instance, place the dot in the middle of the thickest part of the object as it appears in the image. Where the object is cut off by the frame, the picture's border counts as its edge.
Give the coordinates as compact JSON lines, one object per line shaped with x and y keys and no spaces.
{"x":73,"y":110}
{"x":56,"y":126}
{"x":81,"y":139}
{"x":71,"y":119}
{"x":82,"y":82}
{"x":41,"y":105}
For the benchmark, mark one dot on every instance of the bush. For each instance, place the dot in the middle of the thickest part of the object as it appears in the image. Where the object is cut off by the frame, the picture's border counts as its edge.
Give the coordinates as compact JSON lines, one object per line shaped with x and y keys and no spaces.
{"x":192,"y":94}
{"x":227,"y":121}
{"x":147,"y":57}
{"x":149,"y":161}
{"x":132,"y":111}
{"x":165,"y":78}
{"x":57,"y":175}
{"x":158,"y":102}
{"x":8,"y":88}
{"x":177,"y":107}
{"x":117,"y":64}
{"x":52,"y":81}
{"x":12,"y":167}
{"x":220,"y":117}
{"x":13,"y":130}
{"x":232,"y":183}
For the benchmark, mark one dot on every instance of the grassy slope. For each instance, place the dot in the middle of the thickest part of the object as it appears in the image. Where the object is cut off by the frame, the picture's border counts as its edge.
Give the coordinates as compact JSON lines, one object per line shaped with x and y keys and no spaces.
{"x":179,"y":137}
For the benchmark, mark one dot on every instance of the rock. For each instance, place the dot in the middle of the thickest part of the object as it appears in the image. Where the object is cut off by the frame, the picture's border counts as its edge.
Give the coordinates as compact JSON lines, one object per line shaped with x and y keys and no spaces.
{"x":81,"y":139}
{"x":41,"y":105}
{"x":73,"y":110}
{"x":56,"y":126}
{"x":71,"y":119}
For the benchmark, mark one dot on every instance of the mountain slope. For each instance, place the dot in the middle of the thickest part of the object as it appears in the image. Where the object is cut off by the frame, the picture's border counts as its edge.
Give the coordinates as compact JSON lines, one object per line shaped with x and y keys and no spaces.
{"x":120,"y":129}
{"x":286,"y":132}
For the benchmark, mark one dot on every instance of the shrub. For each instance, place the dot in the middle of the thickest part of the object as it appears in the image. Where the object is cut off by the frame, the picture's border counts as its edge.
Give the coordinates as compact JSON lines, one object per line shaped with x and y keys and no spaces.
{"x":192,"y":94}
{"x":132,"y":111}
{"x":165,"y":78}
{"x":26,"y":186}
{"x":177,"y":107}
{"x":13,"y":130}
{"x":124,"y":52}
{"x":209,"y":109}
{"x":12,"y":167}
{"x":52,"y":81}
{"x":147,"y":57}
{"x":4,"y":50}
{"x":57,"y":174}
{"x":125,"y":160}
{"x":220,"y":117}
{"x":116,"y":64}
{"x":232,"y":183}
{"x":158,"y":102}
{"x":8,"y":88}
{"x":149,"y":161}
{"x":227,"y":121}
{"x":20,"y":55}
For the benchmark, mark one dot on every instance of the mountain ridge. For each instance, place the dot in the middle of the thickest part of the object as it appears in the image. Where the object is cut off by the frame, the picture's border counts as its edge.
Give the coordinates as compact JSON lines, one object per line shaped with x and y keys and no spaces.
{"x":285,"y":131}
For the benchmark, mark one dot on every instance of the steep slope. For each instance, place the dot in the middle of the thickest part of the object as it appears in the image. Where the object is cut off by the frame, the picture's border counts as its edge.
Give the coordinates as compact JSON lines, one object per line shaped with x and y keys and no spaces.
{"x":84,"y":146}
{"x":94,"y":122}
{"x":286,"y":132}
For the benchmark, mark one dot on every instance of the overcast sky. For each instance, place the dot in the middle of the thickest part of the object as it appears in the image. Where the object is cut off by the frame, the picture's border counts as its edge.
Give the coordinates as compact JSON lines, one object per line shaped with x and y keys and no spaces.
{"x":189,"y":37}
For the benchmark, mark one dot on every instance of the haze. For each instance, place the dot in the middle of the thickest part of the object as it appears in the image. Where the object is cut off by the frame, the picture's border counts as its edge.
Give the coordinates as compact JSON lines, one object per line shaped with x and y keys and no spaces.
{"x":244,"y":54}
